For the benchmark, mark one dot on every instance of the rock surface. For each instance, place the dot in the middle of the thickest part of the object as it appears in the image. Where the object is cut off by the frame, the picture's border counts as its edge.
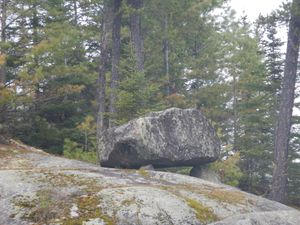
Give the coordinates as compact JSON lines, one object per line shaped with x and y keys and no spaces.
{"x":37,"y":188}
{"x":174,"y":137}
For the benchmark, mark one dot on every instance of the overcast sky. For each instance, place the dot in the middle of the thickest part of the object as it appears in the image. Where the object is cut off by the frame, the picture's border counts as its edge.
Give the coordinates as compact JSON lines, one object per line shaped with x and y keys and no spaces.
{"x":253,"y":8}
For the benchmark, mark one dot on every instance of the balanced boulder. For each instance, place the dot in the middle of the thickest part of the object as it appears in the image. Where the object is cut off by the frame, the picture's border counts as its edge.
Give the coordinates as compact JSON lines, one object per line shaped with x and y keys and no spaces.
{"x":174,"y":137}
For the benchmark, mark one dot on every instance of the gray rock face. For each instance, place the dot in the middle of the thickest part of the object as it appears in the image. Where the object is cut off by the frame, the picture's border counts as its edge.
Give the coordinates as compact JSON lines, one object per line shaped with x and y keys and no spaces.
{"x":37,"y":188}
{"x":174,"y":137}
{"x":263,"y":218}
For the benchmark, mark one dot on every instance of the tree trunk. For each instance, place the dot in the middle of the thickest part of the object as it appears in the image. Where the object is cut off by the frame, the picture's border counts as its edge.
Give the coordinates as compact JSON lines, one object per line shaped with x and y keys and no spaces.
{"x":166,"y":54}
{"x":116,"y":44}
{"x":86,"y":148}
{"x":103,"y":68}
{"x":35,"y":26}
{"x":235,"y":113}
{"x":279,"y":183}
{"x":76,"y":17}
{"x":3,"y":108}
{"x":75,"y":13}
{"x":136,"y":33}
{"x":3,"y":39}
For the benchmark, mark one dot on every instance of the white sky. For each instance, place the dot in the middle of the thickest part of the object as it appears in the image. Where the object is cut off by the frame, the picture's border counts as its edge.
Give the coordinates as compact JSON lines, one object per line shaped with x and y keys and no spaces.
{"x":252,"y":8}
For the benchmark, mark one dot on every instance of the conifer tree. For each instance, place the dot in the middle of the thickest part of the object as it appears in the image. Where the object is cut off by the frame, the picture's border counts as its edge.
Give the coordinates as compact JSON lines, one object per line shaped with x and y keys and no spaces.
{"x":3,"y":40}
{"x":136,"y":32}
{"x":102,"y":124}
{"x":282,"y":137}
{"x":115,"y":60}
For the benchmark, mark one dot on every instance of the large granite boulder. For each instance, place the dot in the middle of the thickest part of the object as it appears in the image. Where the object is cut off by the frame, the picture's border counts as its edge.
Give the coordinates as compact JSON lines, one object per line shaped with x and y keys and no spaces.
{"x":174,"y":137}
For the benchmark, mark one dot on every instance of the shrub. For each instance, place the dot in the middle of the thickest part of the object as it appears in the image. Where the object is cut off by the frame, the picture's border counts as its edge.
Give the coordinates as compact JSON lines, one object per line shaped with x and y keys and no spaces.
{"x":73,"y":150}
{"x":228,"y":169}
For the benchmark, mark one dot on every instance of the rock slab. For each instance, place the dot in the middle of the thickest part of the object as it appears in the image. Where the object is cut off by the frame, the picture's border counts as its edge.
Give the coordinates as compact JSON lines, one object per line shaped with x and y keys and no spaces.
{"x":38,"y":188}
{"x":174,"y":137}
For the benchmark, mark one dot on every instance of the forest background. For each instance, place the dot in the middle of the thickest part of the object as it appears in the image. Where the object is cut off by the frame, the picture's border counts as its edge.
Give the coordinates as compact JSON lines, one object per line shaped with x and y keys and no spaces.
{"x":69,"y":69}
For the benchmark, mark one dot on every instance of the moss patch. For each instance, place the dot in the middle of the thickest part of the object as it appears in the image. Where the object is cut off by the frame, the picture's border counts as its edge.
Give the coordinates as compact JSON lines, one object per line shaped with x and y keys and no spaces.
{"x":204,"y":214}
{"x":6,"y":151}
{"x":50,"y":206}
{"x":219,"y":194}
{"x":23,"y":202}
{"x":43,"y":208}
{"x":144,"y":173}
{"x":88,"y":208}
{"x":61,"y":179}
{"x":231,"y":197}
{"x":11,"y":150}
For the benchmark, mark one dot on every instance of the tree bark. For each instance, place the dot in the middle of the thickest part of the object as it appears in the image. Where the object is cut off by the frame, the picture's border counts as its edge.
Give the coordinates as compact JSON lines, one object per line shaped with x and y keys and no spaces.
{"x":35,"y":25}
{"x":136,"y":33}
{"x":75,"y":13}
{"x":3,"y":39}
{"x":279,"y":182}
{"x":235,"y":113}
{"x":76,"y":20}
{"x":166,"y":55}
{"x":116,"y":45}
{"x":103,"y":68}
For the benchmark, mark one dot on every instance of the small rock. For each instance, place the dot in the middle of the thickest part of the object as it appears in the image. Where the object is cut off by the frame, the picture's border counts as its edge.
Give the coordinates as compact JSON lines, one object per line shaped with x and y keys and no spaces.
{"x":203,"y":172}
{"x":147,"y":167}
{"x":96,"y":221}
{"x":74,"y":211}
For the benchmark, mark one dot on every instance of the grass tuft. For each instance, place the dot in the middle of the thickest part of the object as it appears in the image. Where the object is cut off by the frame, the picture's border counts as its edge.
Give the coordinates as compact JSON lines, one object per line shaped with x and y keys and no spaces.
{"x":144,"y":173}
{"x":204,"y":214}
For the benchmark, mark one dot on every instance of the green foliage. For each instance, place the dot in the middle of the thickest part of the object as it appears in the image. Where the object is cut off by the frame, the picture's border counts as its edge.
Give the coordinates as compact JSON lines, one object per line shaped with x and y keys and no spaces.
{"x":73,"y":150}
{"x":294,"y":167}
{"x":6,"y":96}
{"x":42,"y":208}
{"x":55,"y":92}
{"x":228,"y":170}
{"x":137,"y":95}
{"x":88,"y":129}
{"x":40,"y":133}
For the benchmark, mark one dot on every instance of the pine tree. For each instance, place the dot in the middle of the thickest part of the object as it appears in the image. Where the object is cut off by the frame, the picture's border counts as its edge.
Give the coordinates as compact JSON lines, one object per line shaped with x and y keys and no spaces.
{"x":115,"y":60}
{"x":279,"y":185}
{"x":102,"y":124}
{"x":136,"y":32}
{"x":3,"y":40}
